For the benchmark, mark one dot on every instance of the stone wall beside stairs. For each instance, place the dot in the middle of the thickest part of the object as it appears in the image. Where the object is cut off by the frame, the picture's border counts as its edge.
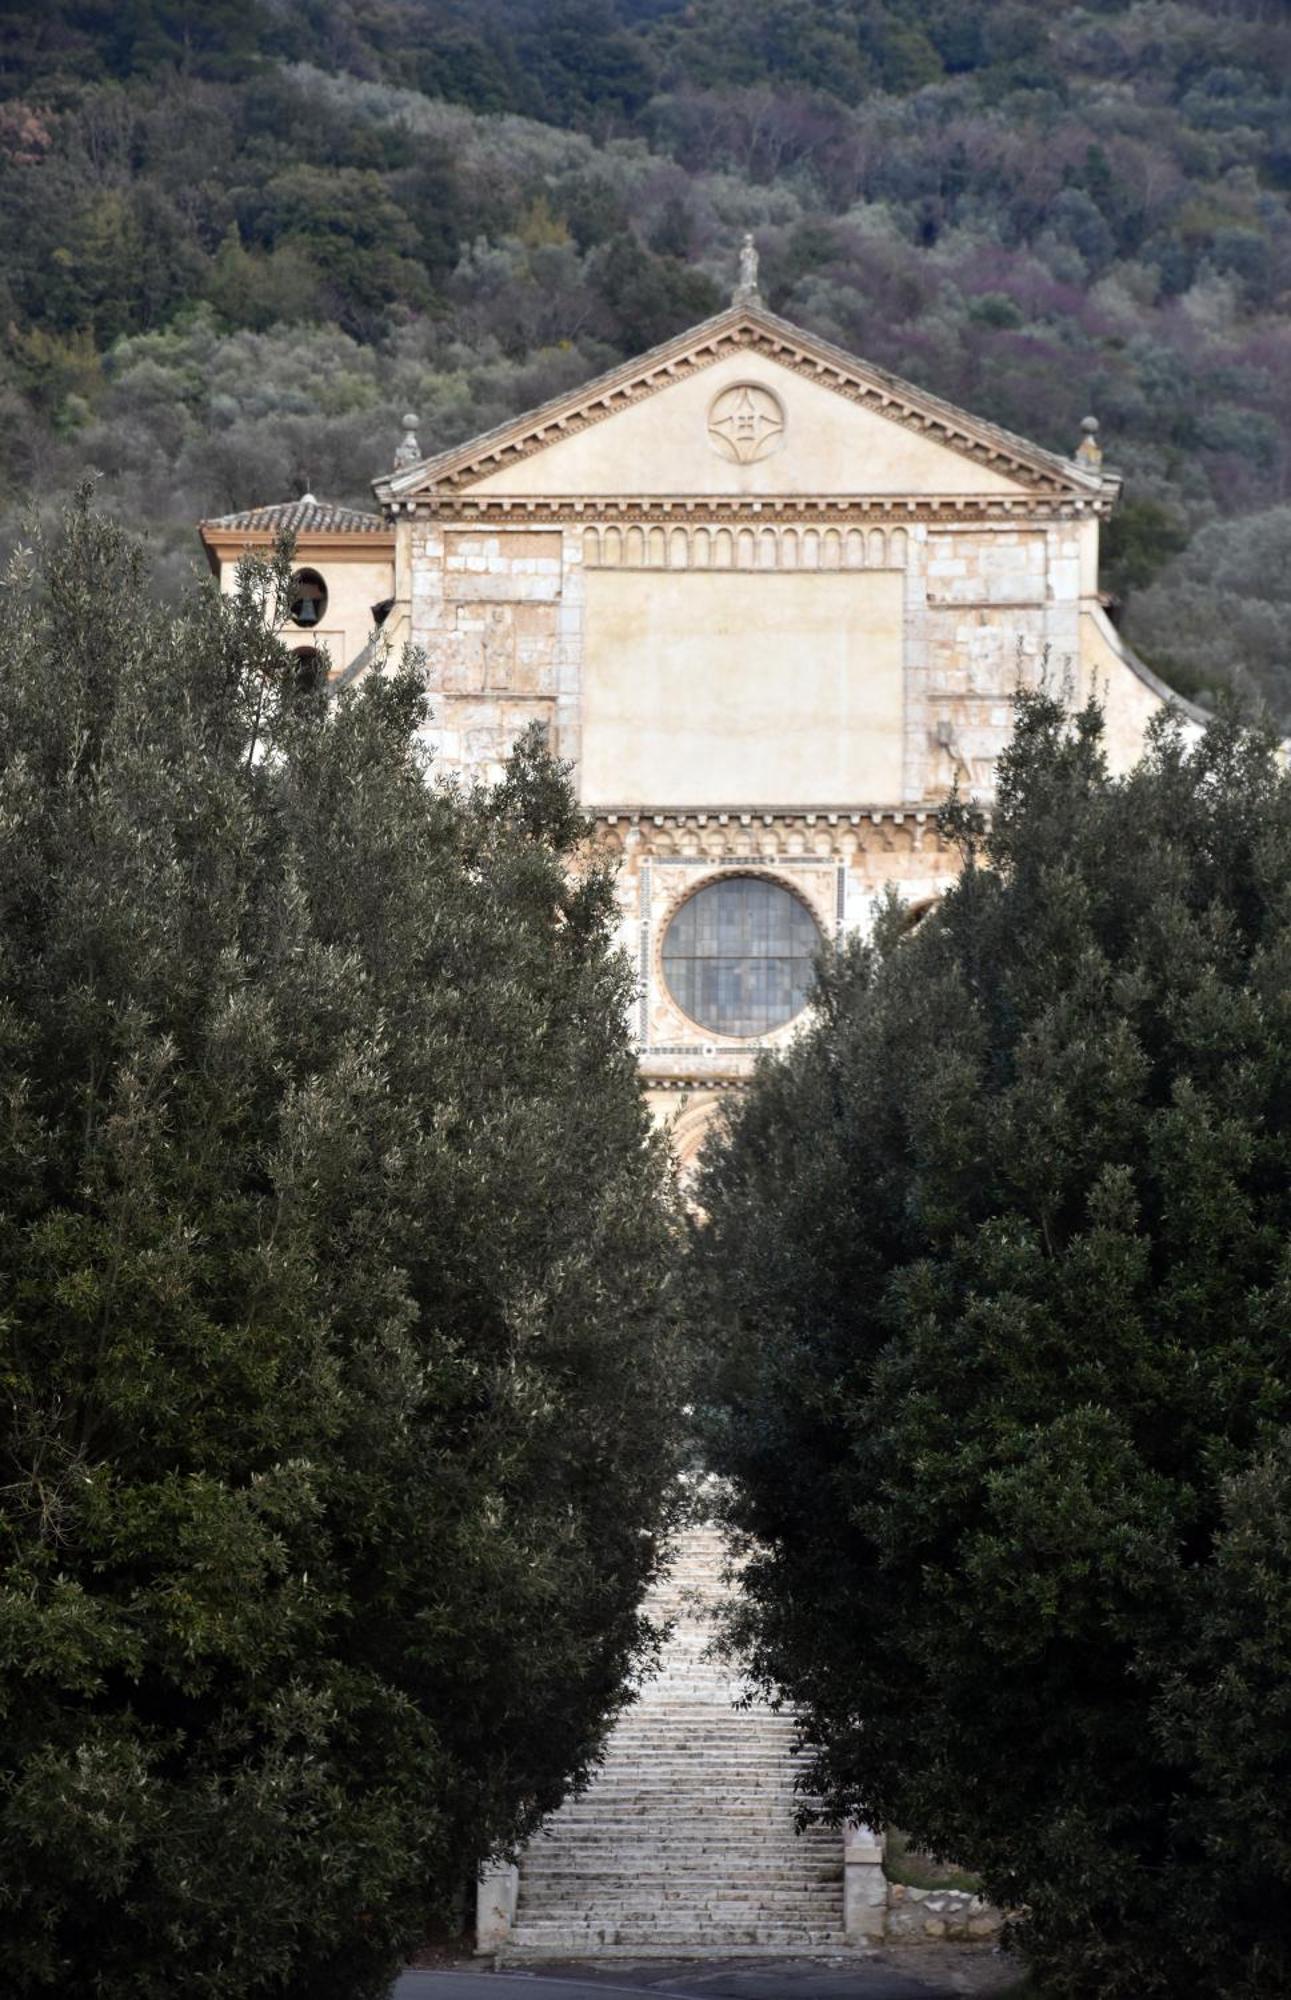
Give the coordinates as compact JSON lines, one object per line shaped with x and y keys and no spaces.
{"x":918,"y":1916}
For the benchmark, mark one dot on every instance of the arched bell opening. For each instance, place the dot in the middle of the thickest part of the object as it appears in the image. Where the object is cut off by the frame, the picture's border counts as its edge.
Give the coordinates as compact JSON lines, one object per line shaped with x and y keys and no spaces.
{"x":308,"y":598}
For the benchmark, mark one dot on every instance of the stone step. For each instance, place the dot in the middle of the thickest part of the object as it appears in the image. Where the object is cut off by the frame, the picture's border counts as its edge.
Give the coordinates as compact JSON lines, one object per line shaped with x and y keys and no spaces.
{"x":751,"y":1845}
{"x":705,"y":1750}
{"x":704,"y":1757}
{"x":692,"y":1820}
{"x":683,"y":1773}
{"x":690,"y":1828}
{"x":645,"y":1884}
{"x":705,"y":1773}
{"x":683,"y":1919}
{"x":752,"y":1833}
{"x":576,"y":1906}
{"x":737,"y":1860}
{"x":774,"y":1803}
{"x":695,"y":1782}
{"x":676,"y":1923}
{"x":721,"y":1742}
{"x":717,"y":1725}
{"x":616,"y":1893}
{"x":770,"y":1794}
{"x":780,"y":1801}
{"x":656,"y":1893}
{"x":690,"y":1825}
{"x":776,"y":1806}
{"x":696,"y":1745}
{"x":773,"y":1878}
{"x":701,"y":1747}
{"x":757,"y":1783}
{"x":704,"y":1763}
{"x":588,"y":1940}
{"x":644,"y":1836}
{"x":704,"y":1754}
{"x":720,"y":1736}
{"x":673,"y":1885}
{"x":649,"y":1890}
{"x":750,"y":1874}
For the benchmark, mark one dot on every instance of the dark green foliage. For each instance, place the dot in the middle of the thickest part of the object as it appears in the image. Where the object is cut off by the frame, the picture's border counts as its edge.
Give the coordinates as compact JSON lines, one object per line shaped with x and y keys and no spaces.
{"x":652,"y":297}
{"x":122,"y":38}
{"x":1032,"y":211}
{"x":338,"y":1386}
{"x":1220,"y":614}
{"x":1138,"y":542}
{"x":998,"y":1261}
{"x":354,"y":235}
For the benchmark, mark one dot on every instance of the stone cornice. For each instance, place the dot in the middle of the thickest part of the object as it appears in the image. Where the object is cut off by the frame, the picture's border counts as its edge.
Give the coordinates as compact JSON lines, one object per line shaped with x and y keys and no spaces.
{"x":731,"y":837}
{"x":752,"y":816}
{"x":727,"y":1069}
{"x":469,"y":510}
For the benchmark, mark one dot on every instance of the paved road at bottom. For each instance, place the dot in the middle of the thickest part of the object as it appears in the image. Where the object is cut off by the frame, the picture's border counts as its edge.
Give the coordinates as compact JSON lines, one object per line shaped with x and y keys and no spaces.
{"x":786,"y":1979}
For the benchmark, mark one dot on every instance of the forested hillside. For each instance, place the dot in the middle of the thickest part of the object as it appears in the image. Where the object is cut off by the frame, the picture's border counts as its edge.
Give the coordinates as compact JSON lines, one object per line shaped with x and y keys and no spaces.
{"x":238,"y":240}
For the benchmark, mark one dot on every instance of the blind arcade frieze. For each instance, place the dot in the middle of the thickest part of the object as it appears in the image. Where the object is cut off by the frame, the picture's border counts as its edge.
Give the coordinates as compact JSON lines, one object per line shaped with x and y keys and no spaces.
{"x":749,"y":547}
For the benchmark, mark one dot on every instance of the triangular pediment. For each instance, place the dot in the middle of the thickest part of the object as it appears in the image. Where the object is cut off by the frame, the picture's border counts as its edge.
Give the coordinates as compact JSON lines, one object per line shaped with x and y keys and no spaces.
{"x":746,"y":403}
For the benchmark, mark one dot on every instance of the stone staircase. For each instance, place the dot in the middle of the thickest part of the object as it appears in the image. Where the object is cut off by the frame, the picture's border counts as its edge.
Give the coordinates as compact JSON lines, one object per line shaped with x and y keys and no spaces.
{"x":684,"y":1842}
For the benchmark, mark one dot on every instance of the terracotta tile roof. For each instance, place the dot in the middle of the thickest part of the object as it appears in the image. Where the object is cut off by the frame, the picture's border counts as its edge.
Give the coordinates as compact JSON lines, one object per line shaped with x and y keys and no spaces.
{"x":306,"y":516}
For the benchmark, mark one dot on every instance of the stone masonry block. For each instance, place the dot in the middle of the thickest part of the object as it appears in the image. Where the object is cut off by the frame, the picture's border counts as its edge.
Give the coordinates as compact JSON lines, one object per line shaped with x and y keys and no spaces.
{"x":503,"y":586}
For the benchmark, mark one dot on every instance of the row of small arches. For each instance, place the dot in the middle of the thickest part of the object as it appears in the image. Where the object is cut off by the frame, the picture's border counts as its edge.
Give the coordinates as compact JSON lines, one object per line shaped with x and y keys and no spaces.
{"x":744,"y":548}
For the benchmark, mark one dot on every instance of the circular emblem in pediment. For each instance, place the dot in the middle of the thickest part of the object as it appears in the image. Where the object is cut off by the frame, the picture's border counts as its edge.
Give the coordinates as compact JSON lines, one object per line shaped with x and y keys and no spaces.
{"x":746,"y":422}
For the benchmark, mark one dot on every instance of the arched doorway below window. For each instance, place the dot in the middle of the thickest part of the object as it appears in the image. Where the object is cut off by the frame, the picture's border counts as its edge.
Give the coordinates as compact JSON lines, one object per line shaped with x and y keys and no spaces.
{"x":309,"y":669}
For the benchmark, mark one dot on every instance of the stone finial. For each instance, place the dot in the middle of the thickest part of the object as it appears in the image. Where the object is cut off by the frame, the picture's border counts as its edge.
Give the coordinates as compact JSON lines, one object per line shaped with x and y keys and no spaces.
{"x":409,"y":451}
{"x":1089,"y":451}
{"x":746,"y":291}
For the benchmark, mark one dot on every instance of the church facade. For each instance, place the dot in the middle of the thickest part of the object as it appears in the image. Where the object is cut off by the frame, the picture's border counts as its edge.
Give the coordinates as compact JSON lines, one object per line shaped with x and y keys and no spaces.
{"x":771,"y":603}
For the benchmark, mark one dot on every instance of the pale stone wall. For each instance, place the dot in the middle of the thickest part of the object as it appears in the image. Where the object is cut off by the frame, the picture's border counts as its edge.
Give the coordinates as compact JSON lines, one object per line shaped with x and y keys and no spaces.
{"x":685,"y":678}
{"x":988,"y":607}
{"x":486,"y":612}
{"x":1130,"y":695}
{"x":355,"y":583}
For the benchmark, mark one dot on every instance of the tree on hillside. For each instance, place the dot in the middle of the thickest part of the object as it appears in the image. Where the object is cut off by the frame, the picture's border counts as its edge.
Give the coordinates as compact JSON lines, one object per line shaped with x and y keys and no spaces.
{"x":336,"y":1343}
{"x":958,"y":199}
{"x":998,"y":1256}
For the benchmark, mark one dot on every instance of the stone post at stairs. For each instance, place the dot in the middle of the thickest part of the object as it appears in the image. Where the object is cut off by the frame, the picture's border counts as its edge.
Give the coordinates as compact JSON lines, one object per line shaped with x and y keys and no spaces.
{"x":495,"y":1905}
{"x":865,"y":1886}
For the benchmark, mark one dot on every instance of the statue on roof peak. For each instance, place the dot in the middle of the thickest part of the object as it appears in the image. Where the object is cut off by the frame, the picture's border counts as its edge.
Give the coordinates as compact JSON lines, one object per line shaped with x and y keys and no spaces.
{"x":409,"y":451}
{"x":746,"y":291}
